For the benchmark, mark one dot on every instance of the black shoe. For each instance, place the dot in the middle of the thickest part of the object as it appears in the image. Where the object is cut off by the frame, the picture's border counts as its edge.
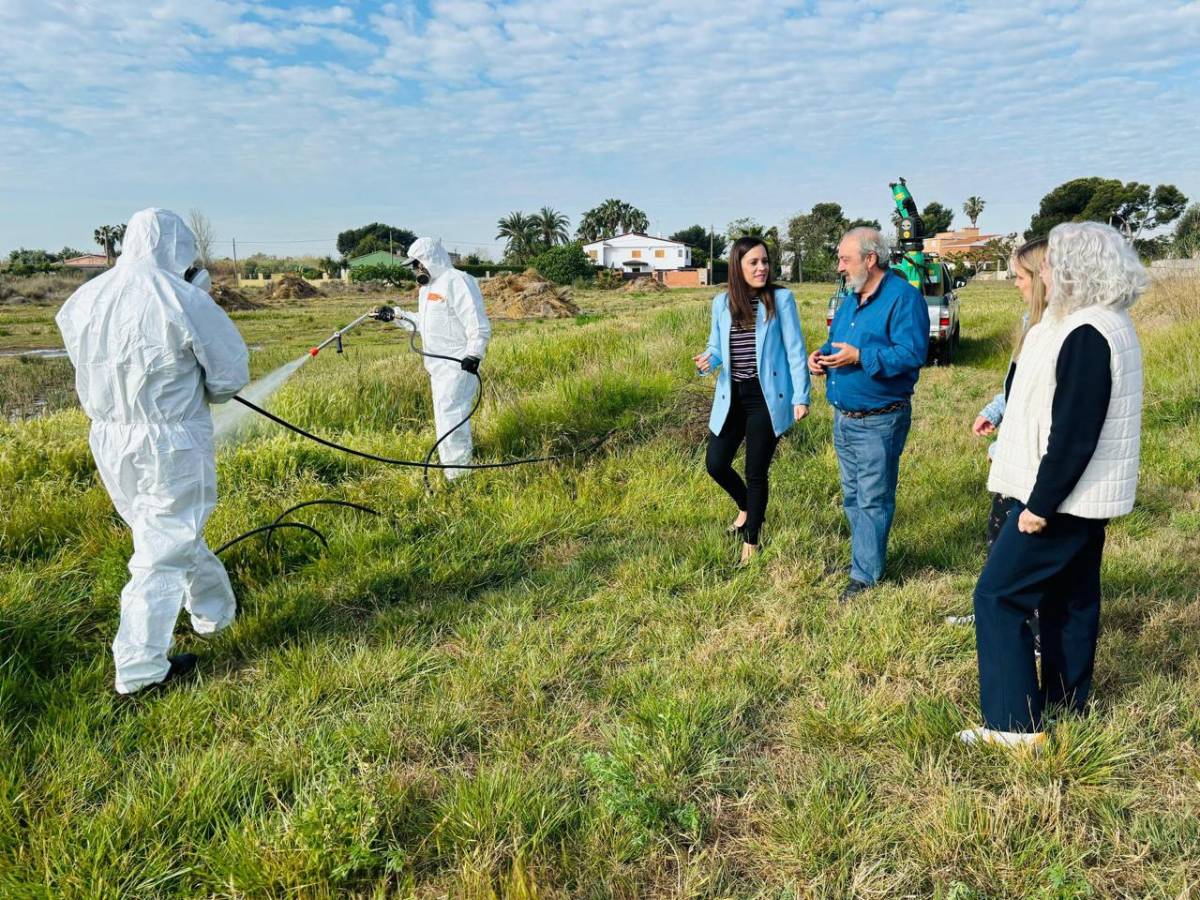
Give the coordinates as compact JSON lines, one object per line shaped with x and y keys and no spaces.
{"x":851,"y":590}
{"x":180,"y":666}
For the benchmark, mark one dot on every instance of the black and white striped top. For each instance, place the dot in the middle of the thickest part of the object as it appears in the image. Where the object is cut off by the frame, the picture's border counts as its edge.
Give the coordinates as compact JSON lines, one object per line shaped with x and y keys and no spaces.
{"x":744,"y":363}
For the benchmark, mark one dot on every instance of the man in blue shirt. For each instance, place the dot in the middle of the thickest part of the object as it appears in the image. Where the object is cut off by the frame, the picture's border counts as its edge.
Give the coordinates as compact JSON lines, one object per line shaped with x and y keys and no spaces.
{"x":877,"y":344}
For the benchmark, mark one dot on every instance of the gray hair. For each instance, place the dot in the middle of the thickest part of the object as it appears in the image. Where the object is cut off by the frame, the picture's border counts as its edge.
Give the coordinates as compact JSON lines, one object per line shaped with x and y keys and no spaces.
{"x":1091,"y":264}
{"x":871,"y":240}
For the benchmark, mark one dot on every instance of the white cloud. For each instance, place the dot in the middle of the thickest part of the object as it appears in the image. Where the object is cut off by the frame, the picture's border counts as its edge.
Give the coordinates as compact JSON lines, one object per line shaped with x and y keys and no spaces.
{"x":517,"y":104}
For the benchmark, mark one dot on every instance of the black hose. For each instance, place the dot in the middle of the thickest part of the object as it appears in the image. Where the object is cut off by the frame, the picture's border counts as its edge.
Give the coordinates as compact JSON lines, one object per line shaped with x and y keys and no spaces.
{"x":291,"y":509}
{"x":425,"y":464}
{"x":270,"y":528}
{"x":412,"y":463}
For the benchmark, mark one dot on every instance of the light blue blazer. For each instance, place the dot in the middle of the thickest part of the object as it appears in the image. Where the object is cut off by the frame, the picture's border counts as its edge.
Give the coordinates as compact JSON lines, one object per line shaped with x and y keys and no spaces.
{"x":782,"y":360}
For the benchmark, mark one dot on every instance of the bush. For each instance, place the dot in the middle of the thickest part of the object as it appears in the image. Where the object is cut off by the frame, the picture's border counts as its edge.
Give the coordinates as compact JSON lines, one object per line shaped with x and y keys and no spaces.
{"x":608,"y":279}
{"x":396,"y":276}
{"x":565,"y":263}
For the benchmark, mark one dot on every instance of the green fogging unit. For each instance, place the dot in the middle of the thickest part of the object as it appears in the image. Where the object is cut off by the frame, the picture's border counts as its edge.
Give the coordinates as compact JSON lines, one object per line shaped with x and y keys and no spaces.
{"x":908,"y":256}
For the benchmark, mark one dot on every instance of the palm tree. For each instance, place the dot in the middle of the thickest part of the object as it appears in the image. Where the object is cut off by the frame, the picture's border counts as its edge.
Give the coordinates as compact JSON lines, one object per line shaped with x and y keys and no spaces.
{"x":552,"y":226}
{"x":610,"y":218}
{"x":611,"y":214}
{"x":633,"y":219}
{"x":108,"y":236}
{"x":590,"y":227}
{"x":521,"y":233}
{"x":973,"y":207}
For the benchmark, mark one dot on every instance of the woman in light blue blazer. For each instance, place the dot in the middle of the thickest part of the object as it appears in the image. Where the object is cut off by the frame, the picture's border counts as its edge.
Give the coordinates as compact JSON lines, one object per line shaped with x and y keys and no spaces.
{"x":757,"y":349}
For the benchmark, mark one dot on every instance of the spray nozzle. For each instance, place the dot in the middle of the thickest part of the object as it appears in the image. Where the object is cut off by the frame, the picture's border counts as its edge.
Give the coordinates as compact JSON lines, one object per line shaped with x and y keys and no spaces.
{"x":384,"y":314}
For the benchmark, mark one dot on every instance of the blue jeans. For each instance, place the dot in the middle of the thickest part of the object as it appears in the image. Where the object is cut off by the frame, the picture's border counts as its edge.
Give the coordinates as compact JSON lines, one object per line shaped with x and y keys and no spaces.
{"x":868,"y":452}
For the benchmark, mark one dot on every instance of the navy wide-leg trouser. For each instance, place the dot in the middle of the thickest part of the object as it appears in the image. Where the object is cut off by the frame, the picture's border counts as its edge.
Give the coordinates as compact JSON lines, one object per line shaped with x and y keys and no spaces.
{"x":1056,"y":572}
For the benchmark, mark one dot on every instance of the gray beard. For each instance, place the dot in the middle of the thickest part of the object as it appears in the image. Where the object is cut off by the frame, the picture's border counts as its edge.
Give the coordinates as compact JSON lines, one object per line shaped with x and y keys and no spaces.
{"x":856,"y":284}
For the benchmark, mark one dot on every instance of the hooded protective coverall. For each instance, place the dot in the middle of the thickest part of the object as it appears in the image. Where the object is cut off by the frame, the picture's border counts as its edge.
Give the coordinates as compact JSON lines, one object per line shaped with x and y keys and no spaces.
{"x":149,"y":350}
{"x":453,"y":323}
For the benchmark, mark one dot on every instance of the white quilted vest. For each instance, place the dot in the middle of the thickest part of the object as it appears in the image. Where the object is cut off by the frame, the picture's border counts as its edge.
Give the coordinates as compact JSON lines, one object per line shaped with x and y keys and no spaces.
{"x":1109,"y":483}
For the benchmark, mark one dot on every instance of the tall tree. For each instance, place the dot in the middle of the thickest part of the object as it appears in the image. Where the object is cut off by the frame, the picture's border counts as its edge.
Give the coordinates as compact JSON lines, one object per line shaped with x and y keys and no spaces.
{"x":1186,"y":243}
{"x":1131,"y":207}
{"x":108,"y":236}
{"x":633,"y":219}
{"x":610,"y":218}
{"x":520,"y":233}
{"x":590,"y":227}
{"x":698,"y":238}
{"x":973,"y":207}
{"x":813,"y":238}
{"x":936,"y":218}
{"x":360,"y":241}
{"x":552,"y":226}
{"x":748,"y":227}
{"x":205,"y":236}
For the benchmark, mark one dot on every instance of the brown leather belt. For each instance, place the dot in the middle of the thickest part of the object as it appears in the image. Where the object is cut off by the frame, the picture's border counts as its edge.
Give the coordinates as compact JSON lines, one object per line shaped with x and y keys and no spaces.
{"x":862,"y":414}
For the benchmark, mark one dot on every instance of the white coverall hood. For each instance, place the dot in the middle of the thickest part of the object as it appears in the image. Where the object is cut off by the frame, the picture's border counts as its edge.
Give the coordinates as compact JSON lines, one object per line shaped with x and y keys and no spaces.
{"x":160,"y":238}
{"x":148,"y":349}
{"x":430,"y":253}
{"x":453,"y":323}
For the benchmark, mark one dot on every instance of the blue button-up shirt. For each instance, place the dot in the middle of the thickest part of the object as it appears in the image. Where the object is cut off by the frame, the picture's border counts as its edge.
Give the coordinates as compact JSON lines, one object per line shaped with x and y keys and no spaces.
{"x":891,"y":331}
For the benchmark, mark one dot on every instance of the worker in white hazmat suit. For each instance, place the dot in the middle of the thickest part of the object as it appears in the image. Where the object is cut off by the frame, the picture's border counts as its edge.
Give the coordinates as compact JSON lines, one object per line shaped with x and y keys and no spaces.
{"x":453,"y":323}
{"x":151,"y":351}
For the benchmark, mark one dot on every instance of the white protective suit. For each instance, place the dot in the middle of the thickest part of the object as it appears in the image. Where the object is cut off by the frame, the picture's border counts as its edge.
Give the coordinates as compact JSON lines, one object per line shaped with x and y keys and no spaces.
{"x":453,"y":323}
{"x":150,"y":352}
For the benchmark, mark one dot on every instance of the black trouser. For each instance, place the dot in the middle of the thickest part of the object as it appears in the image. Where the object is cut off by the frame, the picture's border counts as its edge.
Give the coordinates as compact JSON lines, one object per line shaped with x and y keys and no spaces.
{"x":748,"y":419}
{"x":1056,"y":572}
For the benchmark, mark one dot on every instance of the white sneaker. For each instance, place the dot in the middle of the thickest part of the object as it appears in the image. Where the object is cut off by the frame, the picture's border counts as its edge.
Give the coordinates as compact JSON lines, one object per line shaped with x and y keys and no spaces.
{"x":973,"y":736}
{"x":961,"y":620}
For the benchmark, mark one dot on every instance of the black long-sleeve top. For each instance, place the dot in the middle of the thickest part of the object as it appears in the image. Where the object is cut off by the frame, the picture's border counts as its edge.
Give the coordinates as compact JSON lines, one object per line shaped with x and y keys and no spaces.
{"x":1080,"y":406}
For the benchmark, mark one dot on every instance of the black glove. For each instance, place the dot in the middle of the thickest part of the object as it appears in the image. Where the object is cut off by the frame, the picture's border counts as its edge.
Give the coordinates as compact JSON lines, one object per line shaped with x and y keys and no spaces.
{"x":471,"y":364}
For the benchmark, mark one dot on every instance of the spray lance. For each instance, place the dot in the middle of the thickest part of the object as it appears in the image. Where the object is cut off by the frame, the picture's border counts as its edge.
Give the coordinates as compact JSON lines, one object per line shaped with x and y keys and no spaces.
{"x":380,"y":314}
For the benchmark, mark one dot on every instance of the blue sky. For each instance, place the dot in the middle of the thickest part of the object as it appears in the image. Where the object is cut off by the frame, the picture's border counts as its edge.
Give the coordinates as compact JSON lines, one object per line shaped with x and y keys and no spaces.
{"x":288,"y":122}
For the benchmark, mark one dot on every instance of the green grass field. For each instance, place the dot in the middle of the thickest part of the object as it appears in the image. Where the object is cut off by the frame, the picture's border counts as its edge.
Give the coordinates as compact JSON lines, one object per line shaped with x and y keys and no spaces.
{"x":553,"y":681}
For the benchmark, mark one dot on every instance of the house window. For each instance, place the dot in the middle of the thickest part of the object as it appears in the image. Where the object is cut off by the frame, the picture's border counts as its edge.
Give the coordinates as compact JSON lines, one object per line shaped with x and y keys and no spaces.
{"x":636,"y":254}
{"x":593,"y":254}
{"x":679,"y":253}
{"x":659,"y":254}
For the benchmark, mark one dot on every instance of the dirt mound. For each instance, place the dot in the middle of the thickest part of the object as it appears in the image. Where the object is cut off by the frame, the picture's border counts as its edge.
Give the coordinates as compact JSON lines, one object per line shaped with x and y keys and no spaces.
{"x":231,"y":299}
{"x":289,"y":286}
{"x":644,"y":284}
{"x":527,"y":296}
